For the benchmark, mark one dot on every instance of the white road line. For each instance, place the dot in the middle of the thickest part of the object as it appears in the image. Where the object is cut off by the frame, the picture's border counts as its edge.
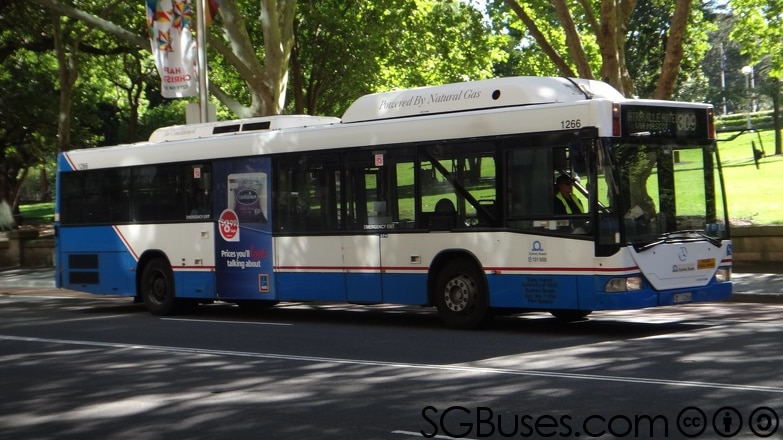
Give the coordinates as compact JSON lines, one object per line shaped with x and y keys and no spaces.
{"x":404,"y":365}
{"x":23,"y":322}
{"x":221,"y":321}
{"x":418,"y":434}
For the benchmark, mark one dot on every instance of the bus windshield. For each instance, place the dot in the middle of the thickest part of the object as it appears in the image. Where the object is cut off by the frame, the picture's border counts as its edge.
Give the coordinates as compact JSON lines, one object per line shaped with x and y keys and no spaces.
{"x":663,"y":189}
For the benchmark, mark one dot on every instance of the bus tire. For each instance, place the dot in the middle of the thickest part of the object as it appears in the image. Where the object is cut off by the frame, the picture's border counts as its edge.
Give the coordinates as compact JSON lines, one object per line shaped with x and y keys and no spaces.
{"x":461,"y":296}
{"x":157,"y":287}
{"x":570,"y":315}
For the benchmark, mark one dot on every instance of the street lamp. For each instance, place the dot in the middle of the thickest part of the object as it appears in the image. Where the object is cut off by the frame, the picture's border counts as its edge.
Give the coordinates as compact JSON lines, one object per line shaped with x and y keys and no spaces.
{"x":750,"y":84}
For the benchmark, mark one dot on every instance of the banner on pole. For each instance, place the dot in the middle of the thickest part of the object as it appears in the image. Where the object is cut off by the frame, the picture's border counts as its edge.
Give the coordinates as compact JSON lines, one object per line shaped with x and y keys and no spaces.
{"x":173,"y":46}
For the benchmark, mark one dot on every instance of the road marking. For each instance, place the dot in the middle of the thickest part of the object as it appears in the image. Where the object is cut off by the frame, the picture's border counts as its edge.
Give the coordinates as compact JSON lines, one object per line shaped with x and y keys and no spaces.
{"x":405,"y":365}
{"x":221,"y":321}
{"x":418,"y":434}
{"x":26,"y":322}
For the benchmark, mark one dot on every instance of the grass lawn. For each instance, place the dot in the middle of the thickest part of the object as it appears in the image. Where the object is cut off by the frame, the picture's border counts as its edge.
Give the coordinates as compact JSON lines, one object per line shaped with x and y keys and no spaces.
{"x":38,"y":212}
{"x":754,"y":194}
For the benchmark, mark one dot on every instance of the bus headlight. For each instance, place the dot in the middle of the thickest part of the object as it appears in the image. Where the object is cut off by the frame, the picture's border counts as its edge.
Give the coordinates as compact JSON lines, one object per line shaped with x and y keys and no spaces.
{"x":628,"y":284}
{"x":723,"y":274}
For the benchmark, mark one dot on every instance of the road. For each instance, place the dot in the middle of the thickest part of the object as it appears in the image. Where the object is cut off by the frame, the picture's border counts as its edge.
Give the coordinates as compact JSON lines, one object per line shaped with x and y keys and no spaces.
{"x":86,"y":367}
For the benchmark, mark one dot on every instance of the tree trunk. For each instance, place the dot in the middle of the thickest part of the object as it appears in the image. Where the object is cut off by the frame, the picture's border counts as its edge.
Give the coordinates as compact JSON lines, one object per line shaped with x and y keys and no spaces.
{"x":536,"y":33}
{"x":68,"y":69}
{"x":17,"y":191}
{"x":6,"y":219}
{"x":674,"y":51}
{"x":607,"y":42}
{"x":573,"y":41}
{"x":777,"y":121}
{"x":46,"y":194}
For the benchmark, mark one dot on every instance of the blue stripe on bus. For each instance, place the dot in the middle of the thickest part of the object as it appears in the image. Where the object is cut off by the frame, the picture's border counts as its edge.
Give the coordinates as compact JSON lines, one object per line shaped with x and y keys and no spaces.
{"x":543,"y":292}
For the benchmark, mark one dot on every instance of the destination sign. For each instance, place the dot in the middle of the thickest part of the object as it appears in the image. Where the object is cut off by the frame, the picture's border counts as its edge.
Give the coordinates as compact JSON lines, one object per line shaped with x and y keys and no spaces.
{"x":651,"y":121}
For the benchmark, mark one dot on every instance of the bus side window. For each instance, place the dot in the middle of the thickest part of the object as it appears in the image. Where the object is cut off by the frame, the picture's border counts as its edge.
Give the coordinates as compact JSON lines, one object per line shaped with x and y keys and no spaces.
{"x":96,"y":207}
{"x":307,"y":194}
{"x":198,"y":191}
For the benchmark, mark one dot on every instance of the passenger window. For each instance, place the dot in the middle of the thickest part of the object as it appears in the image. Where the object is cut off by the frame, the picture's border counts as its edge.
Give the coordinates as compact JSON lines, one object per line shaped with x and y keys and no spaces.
{"x":458,"y":186}
{"x":307,"y":194}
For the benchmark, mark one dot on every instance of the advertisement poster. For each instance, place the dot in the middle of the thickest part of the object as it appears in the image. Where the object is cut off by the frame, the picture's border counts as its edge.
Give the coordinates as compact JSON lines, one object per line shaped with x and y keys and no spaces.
{"x":244,"y":245}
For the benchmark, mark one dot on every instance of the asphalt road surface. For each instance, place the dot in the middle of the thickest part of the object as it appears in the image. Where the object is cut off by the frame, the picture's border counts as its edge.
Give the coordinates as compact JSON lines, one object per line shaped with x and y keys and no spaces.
{"x":84,"y":367}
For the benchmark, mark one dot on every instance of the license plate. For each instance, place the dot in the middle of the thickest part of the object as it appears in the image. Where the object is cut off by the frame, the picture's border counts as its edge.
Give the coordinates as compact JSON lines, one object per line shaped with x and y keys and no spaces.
{"x":680,"y":298}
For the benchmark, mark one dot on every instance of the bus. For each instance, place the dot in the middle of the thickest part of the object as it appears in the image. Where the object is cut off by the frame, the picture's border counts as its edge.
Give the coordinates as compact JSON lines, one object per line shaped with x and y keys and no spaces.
{"x":439,"y":196}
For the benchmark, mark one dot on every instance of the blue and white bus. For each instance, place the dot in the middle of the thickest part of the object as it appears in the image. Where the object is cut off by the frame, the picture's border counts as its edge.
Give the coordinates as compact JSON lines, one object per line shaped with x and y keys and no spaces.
{"x":438,"y":196}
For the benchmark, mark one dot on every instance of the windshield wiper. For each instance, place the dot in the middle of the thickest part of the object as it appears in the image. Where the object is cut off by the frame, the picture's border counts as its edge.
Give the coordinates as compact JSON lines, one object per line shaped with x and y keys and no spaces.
{"x":679,"y":236}
{"x":715,"y":241}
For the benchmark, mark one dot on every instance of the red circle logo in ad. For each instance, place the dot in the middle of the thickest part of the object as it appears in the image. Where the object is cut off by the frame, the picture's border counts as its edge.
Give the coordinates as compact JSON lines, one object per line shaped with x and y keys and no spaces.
{"x":228,"y":225}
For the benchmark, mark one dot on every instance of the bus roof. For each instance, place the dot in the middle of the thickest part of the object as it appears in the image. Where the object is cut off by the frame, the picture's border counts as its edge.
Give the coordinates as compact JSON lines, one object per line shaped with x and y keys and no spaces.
{"x":476,"y":95}
{"x":210,"y":129}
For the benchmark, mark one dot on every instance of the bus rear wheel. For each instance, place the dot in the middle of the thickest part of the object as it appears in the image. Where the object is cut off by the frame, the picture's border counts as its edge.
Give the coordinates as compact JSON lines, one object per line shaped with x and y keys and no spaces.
{"x":157,"y":287}
{"x":461,"y":296}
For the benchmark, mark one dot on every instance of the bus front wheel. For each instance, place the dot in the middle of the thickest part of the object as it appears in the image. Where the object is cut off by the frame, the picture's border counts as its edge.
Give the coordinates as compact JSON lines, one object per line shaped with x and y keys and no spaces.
{"x":157,"y":287}
{"x":461,"y":296}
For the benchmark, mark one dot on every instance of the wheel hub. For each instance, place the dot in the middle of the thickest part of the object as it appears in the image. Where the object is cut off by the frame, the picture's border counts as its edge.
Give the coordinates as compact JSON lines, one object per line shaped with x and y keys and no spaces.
{"x":158,"y":288}
{"x":459,"y":293}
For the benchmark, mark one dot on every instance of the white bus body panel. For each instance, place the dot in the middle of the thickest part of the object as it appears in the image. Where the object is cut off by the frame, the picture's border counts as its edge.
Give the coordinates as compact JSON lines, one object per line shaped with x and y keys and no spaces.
{"x":189,"y":246}
{"x":673,"y":265}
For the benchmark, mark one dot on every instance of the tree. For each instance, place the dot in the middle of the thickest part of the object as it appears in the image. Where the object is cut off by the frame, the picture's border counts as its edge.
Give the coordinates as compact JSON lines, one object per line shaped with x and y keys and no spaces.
{"x":266,"y":82}
{"x":27,"y":109}
{"x":335,"y":53}
{"x":605,"y":25}
{"x":27,"y":130}
{"x":722,"y":66}
{"x":345,"y":49}
{"x":264,"y":73}
{"x":649,"y":42}
{"x":759,"y":32}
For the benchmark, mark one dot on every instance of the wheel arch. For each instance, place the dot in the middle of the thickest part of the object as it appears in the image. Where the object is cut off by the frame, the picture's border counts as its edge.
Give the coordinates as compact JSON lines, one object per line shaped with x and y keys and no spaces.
{"x":441,"y":260}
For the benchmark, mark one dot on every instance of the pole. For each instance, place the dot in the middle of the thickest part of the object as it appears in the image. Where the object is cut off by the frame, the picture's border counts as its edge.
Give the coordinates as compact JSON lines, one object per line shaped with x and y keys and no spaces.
{"x":753,"y":107}
{"x":723,"y":77}
{"x":201,"y":41}
{"x":748,"y":72}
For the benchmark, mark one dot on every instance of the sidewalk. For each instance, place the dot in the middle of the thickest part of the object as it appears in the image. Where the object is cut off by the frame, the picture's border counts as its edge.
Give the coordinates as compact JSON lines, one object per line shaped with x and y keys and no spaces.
{"x":39,"y":277}
{"x":752,"y":283}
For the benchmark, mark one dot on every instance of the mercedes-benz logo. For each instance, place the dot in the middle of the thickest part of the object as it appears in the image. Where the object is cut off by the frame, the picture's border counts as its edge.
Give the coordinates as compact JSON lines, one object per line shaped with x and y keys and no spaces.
{"x":683,"y":253}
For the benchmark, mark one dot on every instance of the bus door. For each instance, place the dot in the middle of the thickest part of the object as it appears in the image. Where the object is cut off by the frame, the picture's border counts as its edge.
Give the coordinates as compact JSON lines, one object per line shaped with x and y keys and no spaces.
{"x":243,"y":239}
{"x":368,"y":218}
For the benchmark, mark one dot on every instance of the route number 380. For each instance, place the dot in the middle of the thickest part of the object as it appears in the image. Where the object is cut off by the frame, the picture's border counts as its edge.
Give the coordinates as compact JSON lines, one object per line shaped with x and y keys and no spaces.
{"x":571,"y":123}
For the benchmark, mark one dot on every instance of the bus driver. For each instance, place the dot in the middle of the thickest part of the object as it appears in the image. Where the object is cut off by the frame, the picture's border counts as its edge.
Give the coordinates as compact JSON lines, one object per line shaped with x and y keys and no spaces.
{"x":565,"y":202}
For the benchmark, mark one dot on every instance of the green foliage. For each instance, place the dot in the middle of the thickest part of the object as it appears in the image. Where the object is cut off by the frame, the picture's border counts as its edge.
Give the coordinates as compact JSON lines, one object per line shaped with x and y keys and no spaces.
{"x":450,"y":45}
{"x":722,"y":65}
{"x":347,"y":49}
{"x":646,"y":48}
{"x":523,"y":55}
{"x":759,"y":31}
{"x":28,"y":109}
{"x":172,"y":113}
